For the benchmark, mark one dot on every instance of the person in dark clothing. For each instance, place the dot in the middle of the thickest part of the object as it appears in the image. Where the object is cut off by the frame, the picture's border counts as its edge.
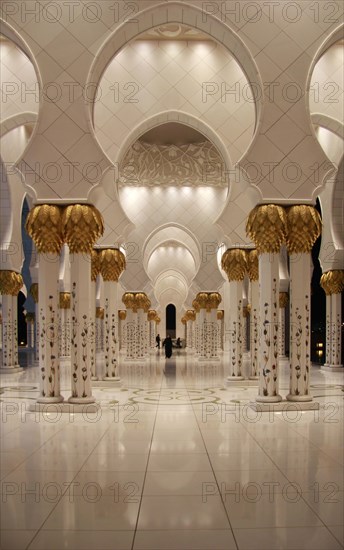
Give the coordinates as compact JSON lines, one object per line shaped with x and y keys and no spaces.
{"x":157,"y":339}
{"x":178,"y":343}
{"x":168,"y":346}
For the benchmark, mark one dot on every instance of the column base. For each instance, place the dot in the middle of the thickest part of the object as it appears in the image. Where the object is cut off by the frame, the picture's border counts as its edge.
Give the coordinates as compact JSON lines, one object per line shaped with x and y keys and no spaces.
{"x":268,"y":399}
{"x":70,"y":408}
{"x":50,"y":400}
{"x":136,"y":360}
{"x":287,"y":406}
{"x":81,"y":400}
{"x":111,"y":379}
{"x":332,"y":368}
{"x":299,"y":398}
{"x":9,"y":370}
{"x":253,"y":377}
{"x":94,"y":378}
{"x":235,"y":378}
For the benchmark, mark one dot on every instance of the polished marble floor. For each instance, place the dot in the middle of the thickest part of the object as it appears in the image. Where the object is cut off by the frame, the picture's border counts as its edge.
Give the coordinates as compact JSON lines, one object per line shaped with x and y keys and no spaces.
{"x":174,"y":459}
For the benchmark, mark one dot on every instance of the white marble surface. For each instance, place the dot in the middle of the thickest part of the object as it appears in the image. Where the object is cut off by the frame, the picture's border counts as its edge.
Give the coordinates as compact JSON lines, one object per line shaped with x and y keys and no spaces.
{"x":174,"y":459}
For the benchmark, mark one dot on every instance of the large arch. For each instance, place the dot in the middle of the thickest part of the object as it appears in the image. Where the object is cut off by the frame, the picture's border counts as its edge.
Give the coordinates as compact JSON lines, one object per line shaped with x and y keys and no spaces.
{"x":173,"y":12}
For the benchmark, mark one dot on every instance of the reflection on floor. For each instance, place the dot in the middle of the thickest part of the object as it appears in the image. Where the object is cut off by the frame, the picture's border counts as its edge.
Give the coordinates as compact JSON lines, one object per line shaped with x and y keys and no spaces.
{"x":174,"y":459}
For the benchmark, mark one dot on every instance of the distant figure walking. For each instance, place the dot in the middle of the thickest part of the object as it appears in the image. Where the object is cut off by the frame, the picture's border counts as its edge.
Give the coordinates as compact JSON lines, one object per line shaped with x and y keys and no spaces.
{"x":168,"y":346}
{"x":157,"y":339}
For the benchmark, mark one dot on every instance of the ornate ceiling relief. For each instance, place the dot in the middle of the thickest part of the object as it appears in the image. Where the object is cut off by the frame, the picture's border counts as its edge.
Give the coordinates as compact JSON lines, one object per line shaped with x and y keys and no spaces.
{"x":187,"y":164}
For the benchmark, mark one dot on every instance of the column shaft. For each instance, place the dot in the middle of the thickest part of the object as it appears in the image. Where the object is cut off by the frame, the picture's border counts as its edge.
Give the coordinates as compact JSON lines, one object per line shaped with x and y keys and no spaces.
{"x":81,"y":329}
{"x":49,"y":313}
{"x":268,"y":324}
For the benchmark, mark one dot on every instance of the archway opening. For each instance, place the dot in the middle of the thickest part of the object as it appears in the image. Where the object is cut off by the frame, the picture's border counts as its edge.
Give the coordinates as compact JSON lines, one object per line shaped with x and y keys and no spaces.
{"x":171,"y":320}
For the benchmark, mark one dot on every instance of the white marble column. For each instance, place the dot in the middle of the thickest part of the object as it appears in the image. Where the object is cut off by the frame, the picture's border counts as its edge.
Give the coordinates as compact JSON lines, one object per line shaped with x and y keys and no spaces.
{"x":30,"y":330}
{"x":65,"y":320}
{"x":235,"y":330}
{"x":300,"y":327}
{"x":34,"y":294}
{"x":234,"y":263}
{"x":110,"y":293}
{"x":254,"y":328}
{"x":151,"y":315}
{"x":304,"y":227}
{"x":267,"y":228}
{"x":112,"y":264}
{"x":49,"y":324}
{"x":268,"y":328}
{"x":10,"y":285}
{"x":333,"y":284}
{"x":220,"y":325}
{"x":99,"y":341}
{"x":246,"y":320}
{"x":122,"y":314}
{"x":82,"y":226}
{"x":283,"y":302}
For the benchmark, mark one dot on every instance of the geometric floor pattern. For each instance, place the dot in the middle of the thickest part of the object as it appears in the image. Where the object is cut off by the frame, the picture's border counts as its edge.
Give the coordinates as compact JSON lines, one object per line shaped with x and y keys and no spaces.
{"x":174,"y":459}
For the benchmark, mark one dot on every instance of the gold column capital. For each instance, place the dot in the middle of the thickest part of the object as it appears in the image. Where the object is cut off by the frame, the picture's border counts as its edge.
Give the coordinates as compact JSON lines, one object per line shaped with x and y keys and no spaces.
{"x":283,"y":299}
{"x":202,"y":299}
{"x":34,"y":292}
{"x":64,"y":300}
{"x":220,"y":314}
{"x":333,"y":281}
{"x":196,"y":305}
{"x":99,"y":313}
{"x":234,"y":263}
{"x":122,"y":314}
{"x":151,"y":315}
{"x":190,"y":315}
{"x":252,"y":264}
{"x":214,"y":300}
{"x":112,"y":263}
{"x":128,"y":300}
{"x":30,"y":317}
{"x":10,"y":282}
{"x":44,"y":225}
{"x":267,"y":227}
{"x":95,"y":264}
{"x":303,"y":228}
{"x":82,"y":225}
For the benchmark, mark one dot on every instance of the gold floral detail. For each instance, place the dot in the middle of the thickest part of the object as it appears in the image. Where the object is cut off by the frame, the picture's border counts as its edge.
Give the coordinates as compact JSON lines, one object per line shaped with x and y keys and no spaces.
{"x":220,"y":314}
{"x":214,"y":300}
{"x":95,"y":264}
{"x":10,"y":282}
{"x":34,"y":292}
{"x":267,"y":227}
{"x":202,"y":299}
{"x":64,"y":300}
{"x":245,"y":312}
{"x":283,"y":299}
{"x":112,"y":263}
{"x":99,"y":313}
{"x":303,"y":228}
{"x":44,"y":225}
{"x":234,"y":263}
{"x":122,"y":314}
{"x":82,"y":226}
{"x":333,"y":281}
{"x":151,"y":315}
{"x":128,"y":300}
{"x":252,"y":265}
{"x":196,"y":305}
{"x":190,"y":315}
{"x":30,"y":317}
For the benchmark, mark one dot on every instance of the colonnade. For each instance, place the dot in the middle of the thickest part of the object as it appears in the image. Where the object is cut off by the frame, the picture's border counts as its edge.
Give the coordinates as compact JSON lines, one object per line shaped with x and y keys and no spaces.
{"x":68,"y":324}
